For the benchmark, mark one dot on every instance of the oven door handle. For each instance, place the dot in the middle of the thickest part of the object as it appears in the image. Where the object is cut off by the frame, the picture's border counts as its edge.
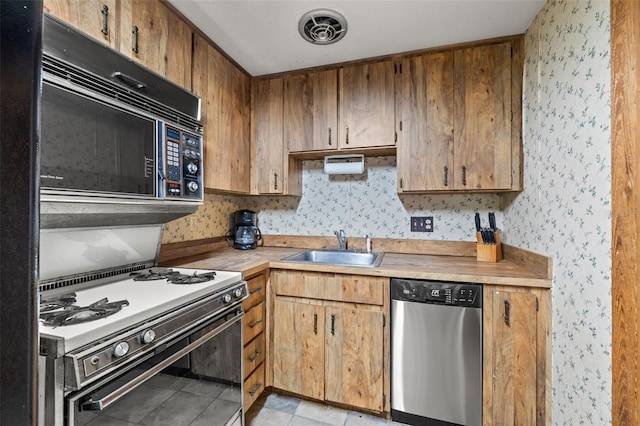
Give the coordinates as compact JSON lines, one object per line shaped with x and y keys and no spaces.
{"x":109,"y":396}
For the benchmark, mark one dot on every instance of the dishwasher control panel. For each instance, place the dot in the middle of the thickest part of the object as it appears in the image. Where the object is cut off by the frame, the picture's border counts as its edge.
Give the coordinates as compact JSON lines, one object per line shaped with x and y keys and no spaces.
{"x":437,"y":292}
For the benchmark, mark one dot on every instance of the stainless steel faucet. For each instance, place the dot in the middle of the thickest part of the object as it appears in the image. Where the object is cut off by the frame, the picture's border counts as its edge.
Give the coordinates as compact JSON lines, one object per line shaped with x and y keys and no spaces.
{"x":342,"y":239}
{"x":368,"y":243}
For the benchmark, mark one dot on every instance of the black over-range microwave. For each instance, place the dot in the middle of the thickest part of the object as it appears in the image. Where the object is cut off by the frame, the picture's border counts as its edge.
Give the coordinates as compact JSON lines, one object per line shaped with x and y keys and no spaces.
{"x":113,"y":129}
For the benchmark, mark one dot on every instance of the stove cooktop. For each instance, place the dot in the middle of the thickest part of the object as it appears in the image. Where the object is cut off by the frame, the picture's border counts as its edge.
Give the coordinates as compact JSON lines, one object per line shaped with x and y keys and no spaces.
{"x":146,"y":299}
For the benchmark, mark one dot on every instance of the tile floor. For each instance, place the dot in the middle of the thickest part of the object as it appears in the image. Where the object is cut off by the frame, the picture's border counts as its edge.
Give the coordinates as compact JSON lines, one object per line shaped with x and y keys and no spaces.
{"x":272,"y":409}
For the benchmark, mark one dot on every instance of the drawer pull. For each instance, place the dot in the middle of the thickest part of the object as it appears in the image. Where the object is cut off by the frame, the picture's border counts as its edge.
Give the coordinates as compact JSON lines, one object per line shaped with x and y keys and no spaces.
{"x":446,"y":176}
{"x":255,"y":355}
{"x":255,"y":389}
{"x":256,"y":322}
{"x":255,"y":290}
{"x":315,"y":323}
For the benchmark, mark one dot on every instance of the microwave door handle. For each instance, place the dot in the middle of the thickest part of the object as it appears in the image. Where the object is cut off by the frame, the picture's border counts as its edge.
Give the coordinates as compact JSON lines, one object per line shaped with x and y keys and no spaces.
{"x":129,"y":81}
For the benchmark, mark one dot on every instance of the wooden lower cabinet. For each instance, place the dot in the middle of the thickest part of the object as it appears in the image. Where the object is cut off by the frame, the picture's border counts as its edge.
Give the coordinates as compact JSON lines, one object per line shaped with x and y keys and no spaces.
{"x":298,"y":355}
{"x":254,"y":339}
{"x":516,"y":362}
{"x":329,"y":350}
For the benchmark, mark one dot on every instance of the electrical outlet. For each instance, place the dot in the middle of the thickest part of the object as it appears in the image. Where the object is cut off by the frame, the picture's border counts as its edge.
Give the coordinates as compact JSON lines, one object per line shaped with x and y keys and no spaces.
{"x":421,"y":223}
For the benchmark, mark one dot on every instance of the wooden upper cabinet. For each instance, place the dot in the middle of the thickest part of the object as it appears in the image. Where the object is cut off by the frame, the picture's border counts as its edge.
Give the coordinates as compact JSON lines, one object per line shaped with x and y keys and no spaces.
{"x":95,"y":18}
{"x":225,"y":93}
{"x":367,"y":106}
{"x":268,"y":135}
{"x":156,"y":37}
{"x":482,"y":122}
{"x":425,"y":115}
{"x":311,"y":111}
{"x":274,"y":172}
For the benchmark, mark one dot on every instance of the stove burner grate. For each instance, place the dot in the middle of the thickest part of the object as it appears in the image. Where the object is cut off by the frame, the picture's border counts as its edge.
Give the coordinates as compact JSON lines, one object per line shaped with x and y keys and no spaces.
{"x":192,"y":279}
{"x":154,"y":274}
{"x":71,"y":314}
{"x":57,"y":302}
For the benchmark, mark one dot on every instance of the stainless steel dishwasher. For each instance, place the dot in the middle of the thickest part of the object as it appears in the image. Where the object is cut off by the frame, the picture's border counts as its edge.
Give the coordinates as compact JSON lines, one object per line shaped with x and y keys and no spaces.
{"x":436,"y":352}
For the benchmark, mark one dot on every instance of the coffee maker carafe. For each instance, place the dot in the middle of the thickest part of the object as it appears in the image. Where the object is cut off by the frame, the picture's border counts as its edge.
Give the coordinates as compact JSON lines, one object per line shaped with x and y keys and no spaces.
{"x":245,"y":233}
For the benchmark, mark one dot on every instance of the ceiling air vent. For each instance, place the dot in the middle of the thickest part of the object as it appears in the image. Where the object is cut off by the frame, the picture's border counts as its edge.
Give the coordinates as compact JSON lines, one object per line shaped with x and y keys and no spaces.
{"x":322,"y":26}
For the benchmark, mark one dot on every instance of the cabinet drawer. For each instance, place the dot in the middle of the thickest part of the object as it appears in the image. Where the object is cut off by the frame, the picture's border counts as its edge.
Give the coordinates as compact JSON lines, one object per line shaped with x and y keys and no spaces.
{"x":254,"y":354}
{"x":257,"y":290}
{"x":338,"y":287}
{"x":253,"y":323}
{"x":253,"y":386}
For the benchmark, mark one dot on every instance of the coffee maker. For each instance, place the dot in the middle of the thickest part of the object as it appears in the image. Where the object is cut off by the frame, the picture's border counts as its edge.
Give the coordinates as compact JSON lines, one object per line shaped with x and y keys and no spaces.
{"x":244,"y":233}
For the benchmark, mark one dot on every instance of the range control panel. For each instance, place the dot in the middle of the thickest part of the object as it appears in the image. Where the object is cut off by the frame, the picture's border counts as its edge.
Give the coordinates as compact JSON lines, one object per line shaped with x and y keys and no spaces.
{"x":181,"y":154}
{"x":437,"y":292}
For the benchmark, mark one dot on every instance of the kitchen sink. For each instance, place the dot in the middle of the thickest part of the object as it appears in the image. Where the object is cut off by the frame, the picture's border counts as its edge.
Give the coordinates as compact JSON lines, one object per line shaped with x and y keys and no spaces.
{"x":337,"y":257}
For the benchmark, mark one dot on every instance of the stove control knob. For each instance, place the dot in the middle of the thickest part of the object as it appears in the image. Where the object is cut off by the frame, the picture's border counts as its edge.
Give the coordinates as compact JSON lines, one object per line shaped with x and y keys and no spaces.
{"x":237,"y":293}
{"x":193,"y":186}
{"x":226,"y":298}
{"x":147,"y":336}
{"x":120,"y":349}
{"x":192,"y":168}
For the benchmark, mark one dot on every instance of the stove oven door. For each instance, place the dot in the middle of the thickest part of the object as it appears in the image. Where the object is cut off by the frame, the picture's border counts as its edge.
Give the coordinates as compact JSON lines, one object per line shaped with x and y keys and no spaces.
{"x":195,"y":380}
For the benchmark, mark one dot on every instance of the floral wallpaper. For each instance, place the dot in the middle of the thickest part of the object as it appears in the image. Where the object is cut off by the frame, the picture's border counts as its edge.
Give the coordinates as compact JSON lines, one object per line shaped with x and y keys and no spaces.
{"x":359,"y":204}
{"x":565,"y":209}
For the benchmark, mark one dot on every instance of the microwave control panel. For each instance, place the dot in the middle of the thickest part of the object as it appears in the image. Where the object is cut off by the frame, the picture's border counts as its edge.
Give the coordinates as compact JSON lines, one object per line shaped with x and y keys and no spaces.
{"x":182,"y":160}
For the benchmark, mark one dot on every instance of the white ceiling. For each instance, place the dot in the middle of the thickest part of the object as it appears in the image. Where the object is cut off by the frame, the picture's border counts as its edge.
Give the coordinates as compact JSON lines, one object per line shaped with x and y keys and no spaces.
{"x":262,"y":35}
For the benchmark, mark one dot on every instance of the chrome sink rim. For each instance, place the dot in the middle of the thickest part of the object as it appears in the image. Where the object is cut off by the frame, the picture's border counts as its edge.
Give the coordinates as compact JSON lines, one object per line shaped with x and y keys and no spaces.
{"x":332,"y":257}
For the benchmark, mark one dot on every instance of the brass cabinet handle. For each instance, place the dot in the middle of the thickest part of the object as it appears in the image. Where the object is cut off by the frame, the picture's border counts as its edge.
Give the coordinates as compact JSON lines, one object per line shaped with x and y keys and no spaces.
{"x":135,"y":39}
{"x":255,"y":389}
{"x":256,"y":322}
{"x":105,"y":20}
{"x":255,"y":355}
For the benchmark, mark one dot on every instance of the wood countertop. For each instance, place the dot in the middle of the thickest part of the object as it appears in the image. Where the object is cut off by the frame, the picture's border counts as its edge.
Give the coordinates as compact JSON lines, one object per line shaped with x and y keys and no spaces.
{"x":402,"y":265}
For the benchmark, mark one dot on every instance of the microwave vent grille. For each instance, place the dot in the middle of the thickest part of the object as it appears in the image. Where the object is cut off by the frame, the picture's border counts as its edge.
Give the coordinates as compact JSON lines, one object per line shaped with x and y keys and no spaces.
{"x":90,"y":82}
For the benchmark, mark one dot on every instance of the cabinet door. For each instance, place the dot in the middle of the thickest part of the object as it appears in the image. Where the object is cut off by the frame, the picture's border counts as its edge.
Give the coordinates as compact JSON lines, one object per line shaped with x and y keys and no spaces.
{"x":311,"y":111}
{"x":483,"y":117}
{"x":96,"y":18}
{"x":268,"y":135}
{"x":514,"y":331}
{"x":367,"y":105}
{"x":225,"y":93}
{"x":425,"y":113}
{"x":156,"y":37}
{"x":298,"y":348}
{"x":354,"y":357}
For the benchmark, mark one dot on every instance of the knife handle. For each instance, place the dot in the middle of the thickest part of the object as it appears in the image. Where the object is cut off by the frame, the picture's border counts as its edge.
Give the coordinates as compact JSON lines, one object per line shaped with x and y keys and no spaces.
{"x":492,"y":220}
{"x":477,"y":219}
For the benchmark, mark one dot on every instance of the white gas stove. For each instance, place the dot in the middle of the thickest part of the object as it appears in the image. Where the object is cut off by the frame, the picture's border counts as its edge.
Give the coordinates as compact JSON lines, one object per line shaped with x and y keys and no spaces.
{"x":145,"y":301}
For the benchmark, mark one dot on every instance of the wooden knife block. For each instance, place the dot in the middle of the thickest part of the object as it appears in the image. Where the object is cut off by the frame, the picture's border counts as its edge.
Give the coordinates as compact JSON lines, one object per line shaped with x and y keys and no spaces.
{"x":488,"y":252}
